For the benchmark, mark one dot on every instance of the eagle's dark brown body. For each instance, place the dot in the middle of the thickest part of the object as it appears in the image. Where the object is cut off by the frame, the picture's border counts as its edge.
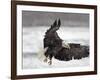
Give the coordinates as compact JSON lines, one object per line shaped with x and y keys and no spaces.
{"x":55,"y":49}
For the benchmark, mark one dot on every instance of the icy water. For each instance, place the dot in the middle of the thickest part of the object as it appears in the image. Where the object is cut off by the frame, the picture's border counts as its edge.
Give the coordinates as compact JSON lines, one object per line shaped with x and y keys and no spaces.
{"x":33,"y":45}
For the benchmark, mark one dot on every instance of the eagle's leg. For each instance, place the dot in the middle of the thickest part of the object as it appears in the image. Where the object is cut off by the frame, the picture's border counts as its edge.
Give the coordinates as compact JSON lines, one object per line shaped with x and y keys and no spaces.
{"x":50,"y":62}
{"x":50,"y":58}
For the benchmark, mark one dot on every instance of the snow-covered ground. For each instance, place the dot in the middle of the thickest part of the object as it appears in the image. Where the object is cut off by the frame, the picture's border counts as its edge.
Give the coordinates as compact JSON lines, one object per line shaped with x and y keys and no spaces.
{"x":33,"y":46}
{"x":33,"y":61}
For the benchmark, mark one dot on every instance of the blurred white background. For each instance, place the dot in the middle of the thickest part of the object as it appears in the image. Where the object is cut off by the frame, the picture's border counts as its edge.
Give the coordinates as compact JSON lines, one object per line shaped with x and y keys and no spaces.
{"x":5,"y":40}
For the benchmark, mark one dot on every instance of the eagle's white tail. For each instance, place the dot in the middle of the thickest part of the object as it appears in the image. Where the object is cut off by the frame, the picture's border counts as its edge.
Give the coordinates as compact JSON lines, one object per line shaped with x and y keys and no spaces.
{"x":41,"y":52}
